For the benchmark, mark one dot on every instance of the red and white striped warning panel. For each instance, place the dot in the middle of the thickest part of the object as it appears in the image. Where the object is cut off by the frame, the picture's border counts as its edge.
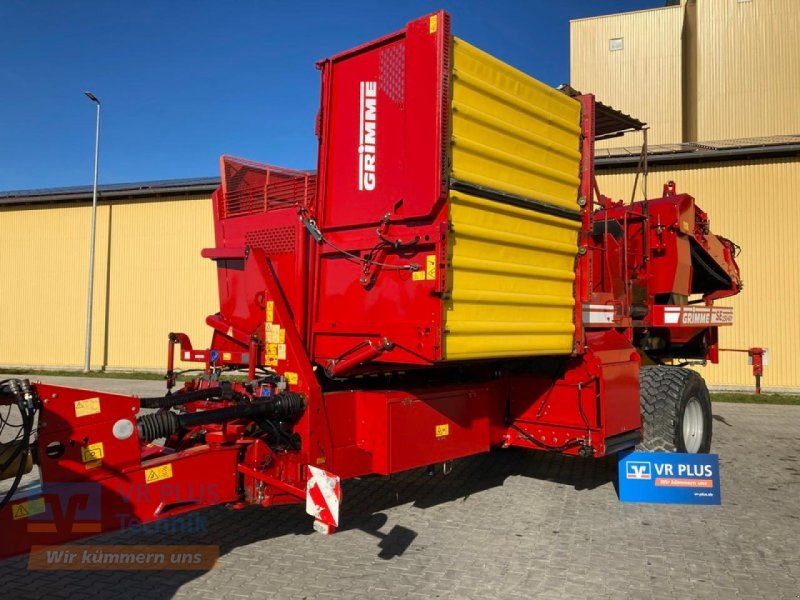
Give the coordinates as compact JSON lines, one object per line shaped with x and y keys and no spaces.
{"x":323,"y":497}
{"x":691,"y":316}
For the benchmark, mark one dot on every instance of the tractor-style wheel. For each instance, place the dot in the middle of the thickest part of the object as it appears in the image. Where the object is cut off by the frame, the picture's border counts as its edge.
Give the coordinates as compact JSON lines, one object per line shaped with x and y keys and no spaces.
{"x":676,"y":410}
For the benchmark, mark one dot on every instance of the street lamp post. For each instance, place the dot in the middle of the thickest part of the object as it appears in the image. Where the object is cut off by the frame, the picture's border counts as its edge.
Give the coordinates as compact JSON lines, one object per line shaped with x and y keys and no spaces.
{"x":88,"y":345}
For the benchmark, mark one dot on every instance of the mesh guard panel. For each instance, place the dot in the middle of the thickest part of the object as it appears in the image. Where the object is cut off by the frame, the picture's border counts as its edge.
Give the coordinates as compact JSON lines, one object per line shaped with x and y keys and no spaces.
{"x":249,"y":187}
{"x":280,"y":240}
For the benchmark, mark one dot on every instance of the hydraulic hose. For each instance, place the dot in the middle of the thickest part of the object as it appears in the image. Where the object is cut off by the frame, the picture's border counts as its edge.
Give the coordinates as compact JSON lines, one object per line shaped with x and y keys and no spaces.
{"x":26,"y":400}
{"x":566,"y":446}
{"x":164,"y":424}
{"x":222,"y":391}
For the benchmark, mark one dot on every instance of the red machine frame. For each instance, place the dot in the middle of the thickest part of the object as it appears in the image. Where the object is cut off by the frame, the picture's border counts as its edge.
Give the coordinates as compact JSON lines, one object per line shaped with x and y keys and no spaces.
{"x":319,"y":405}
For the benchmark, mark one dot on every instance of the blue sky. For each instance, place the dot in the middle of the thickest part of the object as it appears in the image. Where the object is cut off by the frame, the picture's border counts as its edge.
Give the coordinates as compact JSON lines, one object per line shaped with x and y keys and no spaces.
{"x":184,"y":82}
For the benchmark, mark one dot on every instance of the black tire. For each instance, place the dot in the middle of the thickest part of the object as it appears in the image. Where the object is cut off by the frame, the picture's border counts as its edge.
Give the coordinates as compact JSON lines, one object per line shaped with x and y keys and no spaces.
{"x":664,"y":393}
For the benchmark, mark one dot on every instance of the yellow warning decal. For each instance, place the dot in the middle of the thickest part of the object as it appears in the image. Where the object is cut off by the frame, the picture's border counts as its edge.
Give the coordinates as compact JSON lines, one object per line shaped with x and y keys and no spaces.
{"x":276,"y":352}
{"x":27,"y":508}
{"x":158,"y":473}
{"x":321,"y":460}
{"x":442,"y":430}
{"x":226,"y":356}
{"x":430,"y":266}
{"x":270,"y":311}
{"x":84,"y":408}
{"x":92,"y":452}
{"x":273,"y":331}
{"x":291,"y":377}
{"x":281,"y":336}
{"x":433,"y":24}
{"x":418,"y":276}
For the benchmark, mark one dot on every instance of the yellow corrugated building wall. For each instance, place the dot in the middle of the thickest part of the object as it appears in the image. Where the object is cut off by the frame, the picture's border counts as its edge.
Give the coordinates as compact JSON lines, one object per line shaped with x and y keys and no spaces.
{"x":748,"y":68}
{"x":632,"y":61}
{"x":752,"y":203}
{"x":699,"y":71}
{"x":149,"y":280}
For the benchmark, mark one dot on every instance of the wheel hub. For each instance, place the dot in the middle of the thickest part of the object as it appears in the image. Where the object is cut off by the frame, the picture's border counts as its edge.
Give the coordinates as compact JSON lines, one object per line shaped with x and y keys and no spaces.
{"x":693,"y":426}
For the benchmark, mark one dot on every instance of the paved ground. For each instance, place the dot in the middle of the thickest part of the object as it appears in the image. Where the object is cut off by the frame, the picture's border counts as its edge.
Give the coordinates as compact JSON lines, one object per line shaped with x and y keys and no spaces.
{"x":510,"y":524}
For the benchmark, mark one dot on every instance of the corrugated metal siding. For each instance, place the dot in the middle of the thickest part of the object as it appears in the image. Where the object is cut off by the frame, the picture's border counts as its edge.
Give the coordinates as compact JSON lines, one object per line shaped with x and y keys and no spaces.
{"x":643,"y":79}
{"x":708,"y":70}
{"x":748,"y":68}
{"x":512,"y":277}
{"x":43,"y":269}
{"x":149,"y":280}
{"x":689,"y":73}
{"x":512,"y":281}
{"x":752,"y":203}
{"x":163,"y":279}
{"x":511,"y":132}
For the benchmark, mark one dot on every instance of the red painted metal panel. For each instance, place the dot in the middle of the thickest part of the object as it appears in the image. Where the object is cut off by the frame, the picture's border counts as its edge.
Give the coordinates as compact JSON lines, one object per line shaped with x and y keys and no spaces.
{"x":382,"y":115}
{"x":407,"y":429}
{"x":575,"y":405}
{"x":382,"y":198}
{"x":587,"y":191}
{"x":81,"y":421}
{"x":257,"y":207}
{"x":618,"y":365}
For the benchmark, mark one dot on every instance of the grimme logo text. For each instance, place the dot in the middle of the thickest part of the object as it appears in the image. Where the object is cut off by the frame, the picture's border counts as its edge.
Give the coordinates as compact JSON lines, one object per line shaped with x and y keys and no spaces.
{"x":366,"y":136}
